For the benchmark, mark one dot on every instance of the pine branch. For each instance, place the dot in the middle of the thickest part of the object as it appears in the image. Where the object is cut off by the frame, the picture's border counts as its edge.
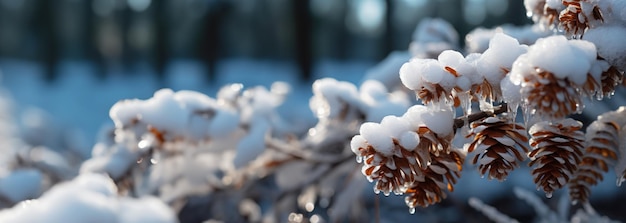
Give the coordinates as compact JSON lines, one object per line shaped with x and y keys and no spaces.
{"x":461,"y":121}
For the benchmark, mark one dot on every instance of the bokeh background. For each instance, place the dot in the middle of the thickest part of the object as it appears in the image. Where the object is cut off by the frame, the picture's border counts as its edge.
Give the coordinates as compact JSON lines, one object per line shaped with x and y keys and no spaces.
{"x":64,"y":63}
{"x":127,"y":34}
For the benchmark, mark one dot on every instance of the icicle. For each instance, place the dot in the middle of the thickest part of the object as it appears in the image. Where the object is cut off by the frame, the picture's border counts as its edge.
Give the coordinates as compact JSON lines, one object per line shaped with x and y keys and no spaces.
{"x":620,"y":180}
{"x":376,"y":190}
{"x":485,"y":104}
{"x":548,"y":194}
{"x":359,"y":159}
{"x":412,"y":210}
{"x":512,"y":110}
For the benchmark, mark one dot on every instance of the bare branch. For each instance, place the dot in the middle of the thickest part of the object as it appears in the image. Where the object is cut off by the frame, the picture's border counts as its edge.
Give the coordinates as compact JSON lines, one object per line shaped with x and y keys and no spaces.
{"x":461,"y":121}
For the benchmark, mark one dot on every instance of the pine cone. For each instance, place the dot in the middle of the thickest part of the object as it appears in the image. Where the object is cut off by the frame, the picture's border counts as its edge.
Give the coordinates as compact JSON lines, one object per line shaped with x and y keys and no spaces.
{"x":395,"y":170}
{"x":486,"y":91}
{"x":556,"y":152}
{"x":543,"y":14}
{"x":431,"y":143}
{"x":494,"y":142}
{"x":441,"y":174}
{"x":571,"y":20}
{"x":602,"y":138}
{"x":552,"y":97}
{"x":392,"y":173}
{"x":611,"y":78}
{"x":430,"y":93}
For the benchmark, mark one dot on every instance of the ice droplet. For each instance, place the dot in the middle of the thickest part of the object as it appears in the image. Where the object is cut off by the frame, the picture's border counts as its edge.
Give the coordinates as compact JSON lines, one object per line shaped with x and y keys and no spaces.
{"x":144,"y":144}
{"x":620,"y":180}
{"x":549,"y":194}
{"x":359,"y":159}
{"x":309,"y":206}
{"x":412,"y":210}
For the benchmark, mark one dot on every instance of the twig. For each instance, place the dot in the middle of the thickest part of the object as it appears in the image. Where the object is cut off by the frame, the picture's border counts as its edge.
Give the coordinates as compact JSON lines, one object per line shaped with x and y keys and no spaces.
{"x":461,"y":121}
{"x":306,"y":154}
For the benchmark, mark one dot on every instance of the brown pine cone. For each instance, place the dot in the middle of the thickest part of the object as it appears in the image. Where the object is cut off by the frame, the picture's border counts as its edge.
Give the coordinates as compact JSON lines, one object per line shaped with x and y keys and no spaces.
{"x":551,"y":97}
{"x":392,"y":173}
{"x":431,"y":93}
{"x":441,"y":174}
{"x":610,"y":79}
{"x":494,"y":145}
{"x":431,"y":143}
{"x":556,"y":153}
{"x":601,"y":150}
{"x":572,"y":20}
{"x":543,"y":14}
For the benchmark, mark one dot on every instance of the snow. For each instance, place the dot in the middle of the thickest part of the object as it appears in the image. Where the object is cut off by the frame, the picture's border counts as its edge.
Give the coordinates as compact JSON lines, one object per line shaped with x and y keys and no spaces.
{"x":575,"y":57}
{"x":440,"y":121}
{"x":329,"y":94}
{"x":409,"y":140}
{"x":502,"y":52}
{"x":358,"y":141}
{"x":395,"y":125}
{"x":449,"y":71}
{"x":115,"y":161}
{"x":432,"y":36}
{"x":88,"y":198}
{"x":610,"y":44}
{"x":477,"y":41}
{"x":252,"y":144}
{"x":377,"y":136}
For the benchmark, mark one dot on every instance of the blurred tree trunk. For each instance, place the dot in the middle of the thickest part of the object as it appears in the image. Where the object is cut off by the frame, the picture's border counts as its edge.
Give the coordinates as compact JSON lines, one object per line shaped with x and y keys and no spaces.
{"x":389,"y":30}
{"x":210,"y":41}
{"x":162,"y":52}
{"x":302,"y":23}
{"x":45,"y":14}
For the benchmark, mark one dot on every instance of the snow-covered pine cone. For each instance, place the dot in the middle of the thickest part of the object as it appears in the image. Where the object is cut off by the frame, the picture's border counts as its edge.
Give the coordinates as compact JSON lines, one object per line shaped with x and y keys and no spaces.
{"x":440,"y":80}
{"x":575,"y":19}
{"x":397,"y":164}
{"x":440,"y":175}
{"x":601,"y":150}
{"x":431,"y":143}
{"x":494,"y":146}
{"x":390,"y":161}
{"x":557,"y":148}
{"x":545,"y":12}
{"x":552,"y":97}
{"x":552,"y":76}
{"x":610,"y":79}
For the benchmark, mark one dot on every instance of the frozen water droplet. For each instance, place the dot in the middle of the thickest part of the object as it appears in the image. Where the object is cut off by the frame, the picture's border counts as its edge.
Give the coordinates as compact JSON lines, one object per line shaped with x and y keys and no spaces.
{"x":153,"y":161}
{"x":412,"y":210}
{"x":386,"y":193}
{"x":359,"y":159}
{"x":620,"y":180}
{"x":549,"y":194}
{"x":376,"y":190}
{"x":309,"y":206}
{"x":312,"y":132}
{"x":144,"y":144}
